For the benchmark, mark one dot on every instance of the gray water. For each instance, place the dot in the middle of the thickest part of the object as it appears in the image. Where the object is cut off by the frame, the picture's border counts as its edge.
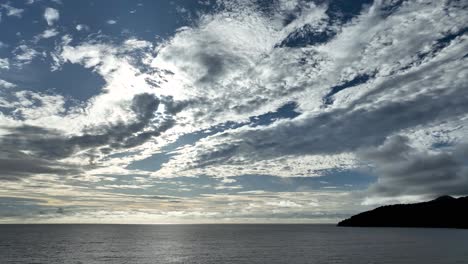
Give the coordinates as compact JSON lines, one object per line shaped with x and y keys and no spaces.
{"x":135,"y":244}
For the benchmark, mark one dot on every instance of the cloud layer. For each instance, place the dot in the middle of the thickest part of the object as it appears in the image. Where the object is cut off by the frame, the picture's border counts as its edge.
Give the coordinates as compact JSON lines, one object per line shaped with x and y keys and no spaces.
{"x":255,"y":89}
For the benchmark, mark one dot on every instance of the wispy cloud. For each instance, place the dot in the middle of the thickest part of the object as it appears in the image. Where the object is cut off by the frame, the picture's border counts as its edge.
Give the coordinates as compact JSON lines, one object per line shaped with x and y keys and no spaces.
{"x":25,"y":54}
{"x":12,"y":11}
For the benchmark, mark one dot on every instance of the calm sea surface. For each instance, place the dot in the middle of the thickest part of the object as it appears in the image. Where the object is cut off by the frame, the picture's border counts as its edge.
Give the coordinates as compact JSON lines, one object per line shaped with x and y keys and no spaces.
{"x":136,"y":244}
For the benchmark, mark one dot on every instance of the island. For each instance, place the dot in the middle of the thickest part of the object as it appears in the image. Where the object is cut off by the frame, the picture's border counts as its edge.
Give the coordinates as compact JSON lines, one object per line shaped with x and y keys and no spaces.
{"x":443,"y":212}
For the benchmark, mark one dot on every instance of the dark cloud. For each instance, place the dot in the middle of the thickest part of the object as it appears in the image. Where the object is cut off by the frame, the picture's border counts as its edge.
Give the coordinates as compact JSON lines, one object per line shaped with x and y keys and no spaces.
{"x":173,"y":107}
{"x":52,"y":144}
{"x":307,"y":35}
{"x":17,"y":168}
{"x":29,"y":150}
{"x":357,"y":80}
{"x":404,"y":170}
{"x":122,"y":135}
{"x":214,"y":66}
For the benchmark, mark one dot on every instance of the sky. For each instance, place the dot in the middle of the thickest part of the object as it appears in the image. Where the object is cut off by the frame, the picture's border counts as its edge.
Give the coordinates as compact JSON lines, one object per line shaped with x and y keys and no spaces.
{"x":229,"y":111}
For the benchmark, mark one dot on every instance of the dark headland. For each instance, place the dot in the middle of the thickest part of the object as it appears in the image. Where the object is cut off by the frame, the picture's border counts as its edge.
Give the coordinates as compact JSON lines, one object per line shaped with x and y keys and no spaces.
{"x":443,"y":212}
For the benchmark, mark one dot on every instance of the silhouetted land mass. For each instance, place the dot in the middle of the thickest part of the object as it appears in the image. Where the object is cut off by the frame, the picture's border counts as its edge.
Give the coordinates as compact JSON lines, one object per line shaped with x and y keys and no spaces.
{"x":445,"y":211}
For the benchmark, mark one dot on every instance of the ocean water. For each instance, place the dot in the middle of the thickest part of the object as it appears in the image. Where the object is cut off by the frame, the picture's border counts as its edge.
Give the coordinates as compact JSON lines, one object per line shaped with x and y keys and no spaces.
{"x":134,"y":244}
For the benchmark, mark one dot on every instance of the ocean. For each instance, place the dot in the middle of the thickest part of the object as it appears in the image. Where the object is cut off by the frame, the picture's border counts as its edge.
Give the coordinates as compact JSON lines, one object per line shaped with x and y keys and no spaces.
{"x":145,"y":244}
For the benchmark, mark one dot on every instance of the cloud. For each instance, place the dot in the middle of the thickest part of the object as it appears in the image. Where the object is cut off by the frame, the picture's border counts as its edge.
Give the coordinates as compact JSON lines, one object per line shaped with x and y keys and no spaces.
{"x":21,"y":166}
{"x":20,"y":207}
{"x":356,"y":74}
{"x":5,"y":84}
{"x":48,"y":33}
{"x":25,"y":54}
{"x":111,"y":22}
{"x":82,"y":27}
{"x":372,"y":74}
{"x":228,"y":71}
{"x":51,"y":15}
{"x":341,"y":130}
{"x":12,"y":11}
{"x":108,"y":122}
{"x":4,"y":63}
{"x":405,"y":170}
{"x":269,"y":207}
{"x":36,"y":145}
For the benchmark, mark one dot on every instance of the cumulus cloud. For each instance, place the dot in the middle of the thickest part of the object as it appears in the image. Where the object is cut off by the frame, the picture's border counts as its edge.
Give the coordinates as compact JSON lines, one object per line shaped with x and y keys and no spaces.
{"x":51,"y":15}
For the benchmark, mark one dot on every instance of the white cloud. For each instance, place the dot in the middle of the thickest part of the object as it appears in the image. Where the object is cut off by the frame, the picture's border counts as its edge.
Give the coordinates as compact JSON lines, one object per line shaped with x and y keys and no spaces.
{"x":286,"y":166}
{"x":4,"y":63}
{"x":51,"y":15}
{"x":238,"y":71}
{"x":135,"y":44}
{"x":12,"y":11}
{"x":36,"y":107}
{"x":25,"y":54}
{"x":82,"y":27}
{"x":111,"y":22}
{"x":286,"y":204}
{"x":5,"y":84}
{"x":48,"y":33}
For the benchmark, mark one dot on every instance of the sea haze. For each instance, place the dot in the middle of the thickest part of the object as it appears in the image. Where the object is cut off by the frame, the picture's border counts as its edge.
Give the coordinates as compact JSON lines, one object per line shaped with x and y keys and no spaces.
{"x":144,"y":244}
